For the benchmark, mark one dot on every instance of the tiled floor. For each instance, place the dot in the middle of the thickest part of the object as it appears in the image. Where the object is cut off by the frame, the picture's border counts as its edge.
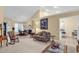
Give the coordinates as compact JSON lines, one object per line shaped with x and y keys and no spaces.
{"x":28,"y":45}
{"x":71,"y":43}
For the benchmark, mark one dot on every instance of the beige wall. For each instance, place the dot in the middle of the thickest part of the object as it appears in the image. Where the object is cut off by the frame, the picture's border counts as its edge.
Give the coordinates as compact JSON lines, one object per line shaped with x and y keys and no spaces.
{"x":53,"y":26}
{"x":43,"y":13}
{"x":1,"y":14}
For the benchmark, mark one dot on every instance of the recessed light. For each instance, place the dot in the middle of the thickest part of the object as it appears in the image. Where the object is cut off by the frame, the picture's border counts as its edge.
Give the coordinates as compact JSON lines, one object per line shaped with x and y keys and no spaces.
{"x":55,"y":6}
{"x":47,"y":10}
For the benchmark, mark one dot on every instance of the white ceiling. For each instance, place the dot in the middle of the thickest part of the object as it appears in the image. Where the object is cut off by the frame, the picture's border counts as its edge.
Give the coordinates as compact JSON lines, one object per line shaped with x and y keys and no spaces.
{"x":22,"y":13}
{"x":59,"y":9}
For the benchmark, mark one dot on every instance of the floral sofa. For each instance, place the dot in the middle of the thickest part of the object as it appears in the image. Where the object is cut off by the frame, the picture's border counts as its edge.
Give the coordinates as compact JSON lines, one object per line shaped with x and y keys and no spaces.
{"x":42,"y":36}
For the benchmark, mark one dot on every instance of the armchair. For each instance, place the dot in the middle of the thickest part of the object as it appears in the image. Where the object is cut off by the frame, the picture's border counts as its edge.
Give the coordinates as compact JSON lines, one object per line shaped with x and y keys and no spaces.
{"x":13,"y":38}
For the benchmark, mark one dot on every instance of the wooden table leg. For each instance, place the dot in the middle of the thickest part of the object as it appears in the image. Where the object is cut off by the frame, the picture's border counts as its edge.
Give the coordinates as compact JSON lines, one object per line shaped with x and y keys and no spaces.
{"x":1,"y":44}
{"x":77,"y":48}
{"x":6,"y":42}
{"x":65,"y":49}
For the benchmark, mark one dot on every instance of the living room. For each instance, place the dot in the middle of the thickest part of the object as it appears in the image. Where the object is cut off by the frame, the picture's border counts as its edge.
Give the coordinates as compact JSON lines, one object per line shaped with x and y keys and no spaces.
{"x":44,"y":24}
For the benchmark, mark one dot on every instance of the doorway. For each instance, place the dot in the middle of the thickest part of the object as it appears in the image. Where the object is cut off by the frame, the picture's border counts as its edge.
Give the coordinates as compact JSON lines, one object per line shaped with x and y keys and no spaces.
{"x":69,"y":30}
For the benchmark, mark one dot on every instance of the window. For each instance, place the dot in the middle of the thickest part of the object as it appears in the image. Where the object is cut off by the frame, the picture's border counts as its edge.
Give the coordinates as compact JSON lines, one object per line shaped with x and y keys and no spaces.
{"x":8,"y":28}
{"x":18,"y":27}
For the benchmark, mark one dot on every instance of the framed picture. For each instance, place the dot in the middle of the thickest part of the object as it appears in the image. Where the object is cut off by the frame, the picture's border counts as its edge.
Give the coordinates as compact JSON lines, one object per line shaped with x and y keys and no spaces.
{"x":44,"y":23}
